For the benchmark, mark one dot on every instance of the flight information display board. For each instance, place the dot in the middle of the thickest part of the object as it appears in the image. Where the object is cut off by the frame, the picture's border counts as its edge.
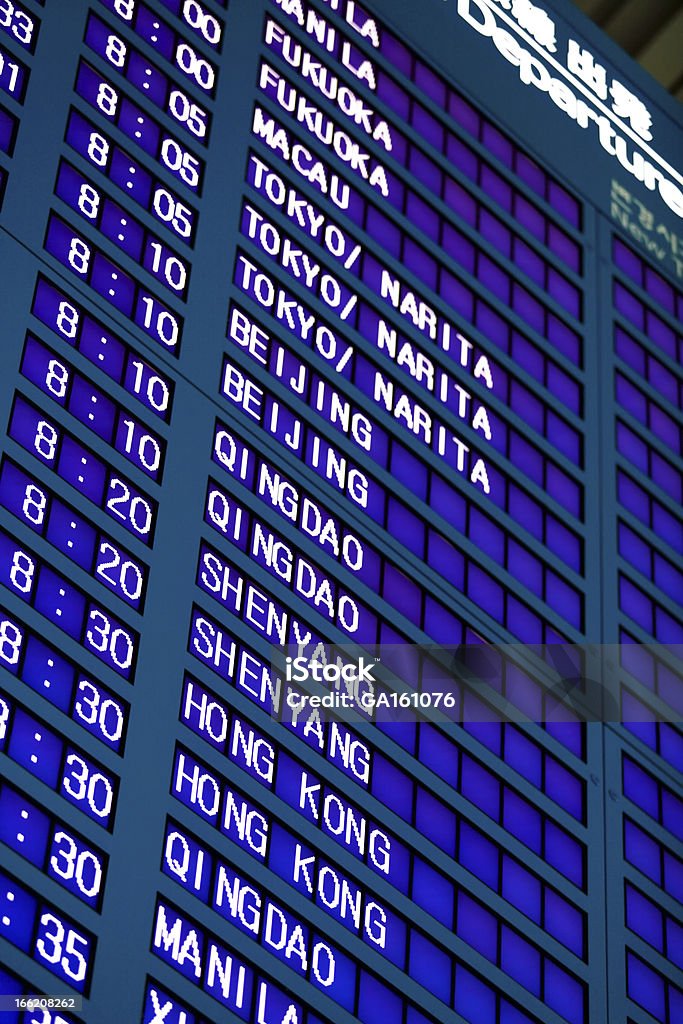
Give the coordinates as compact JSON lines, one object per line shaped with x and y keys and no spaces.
{"x":308,"y":310}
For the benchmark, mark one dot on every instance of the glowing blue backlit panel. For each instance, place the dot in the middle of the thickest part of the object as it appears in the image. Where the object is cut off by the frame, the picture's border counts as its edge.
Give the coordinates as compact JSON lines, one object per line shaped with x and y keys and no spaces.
{"x":327,"y":322}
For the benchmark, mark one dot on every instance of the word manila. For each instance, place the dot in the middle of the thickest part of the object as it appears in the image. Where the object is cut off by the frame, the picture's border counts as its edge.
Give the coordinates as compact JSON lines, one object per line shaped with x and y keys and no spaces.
{"x":326,"y":82}
{"x":241,"y":902}
{"x":481,"y":17}
{"x":315,"y":24}
{"x":327,"y":36}
{"x":198,"y":956}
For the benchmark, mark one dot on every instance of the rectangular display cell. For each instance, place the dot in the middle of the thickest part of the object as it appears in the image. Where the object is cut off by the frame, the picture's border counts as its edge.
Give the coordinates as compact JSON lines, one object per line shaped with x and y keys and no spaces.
{"x":68,"y":607}
{"x":63,"y":683}
{"x":159,"y":35}
{"x":117,"y":225}
{"x":148,"y":79}
{"x":8,"y":130}
{"x":97,"y":553}
{"x":114,"y":424}
{"x":67,"y":770}
{"x":80,"y":467}
{"x":19,"y":25}
{"x":199,"y":18}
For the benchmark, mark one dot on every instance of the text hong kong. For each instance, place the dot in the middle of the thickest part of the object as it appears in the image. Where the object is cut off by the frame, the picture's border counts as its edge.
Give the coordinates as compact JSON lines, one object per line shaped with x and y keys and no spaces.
{"x":289,"y":855}
{"x":213,"y":799}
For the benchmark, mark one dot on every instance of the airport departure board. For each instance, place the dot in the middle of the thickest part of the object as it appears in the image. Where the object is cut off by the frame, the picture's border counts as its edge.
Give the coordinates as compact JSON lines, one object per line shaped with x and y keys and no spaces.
{"x":328,"y":323}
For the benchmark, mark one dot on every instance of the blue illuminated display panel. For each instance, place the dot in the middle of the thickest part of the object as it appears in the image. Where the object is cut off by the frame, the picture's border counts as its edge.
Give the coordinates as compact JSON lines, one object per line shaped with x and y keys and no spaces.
{"x":311,"y":338}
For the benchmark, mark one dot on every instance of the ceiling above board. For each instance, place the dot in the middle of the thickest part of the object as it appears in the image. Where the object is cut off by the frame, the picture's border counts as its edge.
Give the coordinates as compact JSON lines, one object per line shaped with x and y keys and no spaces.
{"x":651,"y":31}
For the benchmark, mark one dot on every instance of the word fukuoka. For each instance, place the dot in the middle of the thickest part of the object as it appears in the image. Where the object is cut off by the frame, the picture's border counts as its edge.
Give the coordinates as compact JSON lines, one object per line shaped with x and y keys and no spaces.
{"x":320,"y":77}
